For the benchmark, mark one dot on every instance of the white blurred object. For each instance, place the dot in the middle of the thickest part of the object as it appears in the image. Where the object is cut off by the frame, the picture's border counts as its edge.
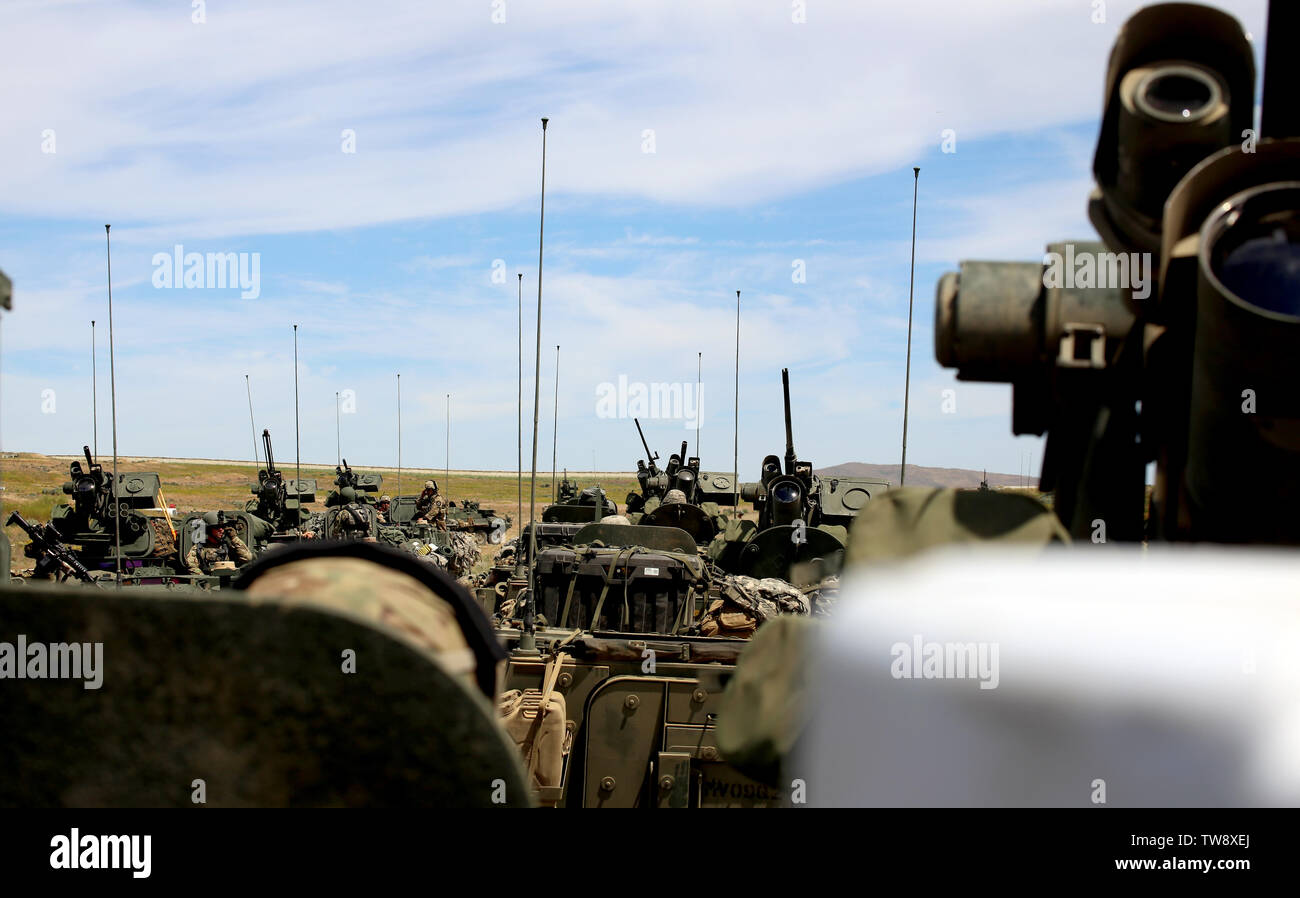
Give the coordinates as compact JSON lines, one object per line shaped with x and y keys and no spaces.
{"x":1166,"y":678}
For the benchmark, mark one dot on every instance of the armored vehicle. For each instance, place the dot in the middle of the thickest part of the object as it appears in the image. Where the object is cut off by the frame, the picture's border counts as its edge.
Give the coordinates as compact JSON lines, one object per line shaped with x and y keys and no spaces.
{"x":280,"y":502}
{"x":104,"y":514}
{"x":471,"y":517}
{"x":579,"y":506}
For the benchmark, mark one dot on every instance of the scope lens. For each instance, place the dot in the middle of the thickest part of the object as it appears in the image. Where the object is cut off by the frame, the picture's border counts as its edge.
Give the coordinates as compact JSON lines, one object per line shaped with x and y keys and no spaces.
{"x":786,"y":493}
{"x":1254,"y":247}
{"x":1177,"y":94}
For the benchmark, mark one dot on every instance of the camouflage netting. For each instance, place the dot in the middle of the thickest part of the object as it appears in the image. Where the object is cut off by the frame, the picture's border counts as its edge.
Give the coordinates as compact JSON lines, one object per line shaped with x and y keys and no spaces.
{"x":746,"y":602}
{"x":463,"y":554}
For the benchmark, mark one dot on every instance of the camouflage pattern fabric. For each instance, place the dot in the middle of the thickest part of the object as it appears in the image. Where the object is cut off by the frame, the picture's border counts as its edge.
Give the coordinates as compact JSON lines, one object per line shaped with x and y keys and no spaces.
{"x":463,"y":555}
{"x":202,"y":557}
{"x":905,"y":522}
{"x":433,"y":508}
{"x":744,"y":603}
{"x":375,"y":593}
{"x":352,"y":521}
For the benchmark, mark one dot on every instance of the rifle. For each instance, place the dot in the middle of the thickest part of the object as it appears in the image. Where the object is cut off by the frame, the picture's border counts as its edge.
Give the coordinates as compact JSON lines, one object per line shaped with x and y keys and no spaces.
{"x":49,"y":551}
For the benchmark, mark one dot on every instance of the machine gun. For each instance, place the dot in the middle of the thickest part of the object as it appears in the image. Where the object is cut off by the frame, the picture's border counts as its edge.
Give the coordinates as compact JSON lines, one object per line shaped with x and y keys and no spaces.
{"x":52,"y":557}
{"x":782,"y":497}
{"x":90,"y":489}
{"x":271,"y":490}
{"x":681,"y":473}
{"x":279,"y":502}
{"x":346,"y":476}
{"x":1191,"y":365}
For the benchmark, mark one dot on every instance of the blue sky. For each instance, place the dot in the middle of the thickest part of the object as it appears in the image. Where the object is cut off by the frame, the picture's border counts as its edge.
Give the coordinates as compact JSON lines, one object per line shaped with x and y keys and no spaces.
{"x":777,"y":145}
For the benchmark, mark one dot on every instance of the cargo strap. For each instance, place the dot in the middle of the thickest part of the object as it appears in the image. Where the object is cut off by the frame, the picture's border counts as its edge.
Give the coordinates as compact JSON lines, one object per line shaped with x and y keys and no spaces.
{"x":604,"y":590}
{"x":549,"y":678}
{"x":568,"y":598}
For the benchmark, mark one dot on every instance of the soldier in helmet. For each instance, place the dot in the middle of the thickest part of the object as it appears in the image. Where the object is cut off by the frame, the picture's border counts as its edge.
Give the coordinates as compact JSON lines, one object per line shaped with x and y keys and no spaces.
{"x":351,"y":517}
{"x":675,"y":497}
{"x":384,"y":507}
{"x":220,"y":544}
{"x":431,"y":506}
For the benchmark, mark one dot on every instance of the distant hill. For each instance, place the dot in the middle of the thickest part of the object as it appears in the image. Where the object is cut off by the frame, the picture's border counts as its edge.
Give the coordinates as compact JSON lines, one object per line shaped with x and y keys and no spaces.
{"x":921,"y":476}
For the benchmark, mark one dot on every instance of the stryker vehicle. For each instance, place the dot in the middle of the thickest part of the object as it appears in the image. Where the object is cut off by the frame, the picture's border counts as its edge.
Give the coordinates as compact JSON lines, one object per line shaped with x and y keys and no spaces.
{"x":580,"y":507}
{"x":471,"y":517}
{"x":90,"y":524}
{"x":280,"y":502}
{"x":608,"y":675}
{"x":1193,"y":366}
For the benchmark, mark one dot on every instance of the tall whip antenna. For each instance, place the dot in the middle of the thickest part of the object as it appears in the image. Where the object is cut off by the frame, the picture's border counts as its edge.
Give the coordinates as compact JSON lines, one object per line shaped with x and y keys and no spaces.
{"x":112,"y":393}
{"x":94,"y":390}
{"x":519,"y":417}
{"x":699,"y":368}
{"x":555,"y":421}
{"x":735,"y":458}
{"x":399,"y":436}
{"x":528,"y":640}
{"x":907,"y":377}
{"x":253,"y":427}
{"x":297,"y":434}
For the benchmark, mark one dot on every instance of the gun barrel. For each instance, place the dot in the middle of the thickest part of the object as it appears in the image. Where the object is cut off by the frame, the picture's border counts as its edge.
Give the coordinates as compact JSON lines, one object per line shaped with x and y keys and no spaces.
{"x":789,"y":431}
{"x":649,"y":456}
{"x":270,"y":456}
{"x":89,"y":461}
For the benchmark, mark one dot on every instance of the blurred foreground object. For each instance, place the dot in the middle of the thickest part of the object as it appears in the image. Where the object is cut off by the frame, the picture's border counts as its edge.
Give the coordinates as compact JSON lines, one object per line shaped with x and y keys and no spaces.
{"x":1119,"y":678}
{"x":345,"y":674}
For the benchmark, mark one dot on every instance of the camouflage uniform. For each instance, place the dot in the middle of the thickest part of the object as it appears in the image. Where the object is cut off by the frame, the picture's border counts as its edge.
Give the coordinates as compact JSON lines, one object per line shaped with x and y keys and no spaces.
{"x":202,"y":556}
{"x":431,"y":506}
{"x":351,"y":521}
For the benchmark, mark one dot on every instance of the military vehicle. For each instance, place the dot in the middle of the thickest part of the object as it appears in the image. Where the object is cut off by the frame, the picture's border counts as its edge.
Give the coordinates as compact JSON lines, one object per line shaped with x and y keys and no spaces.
{"x":1191,"y":366}
{"x":579,"y":506}
{"x":471,"y":517}
{"x":103,"y":512}
{"x":280,"y":502}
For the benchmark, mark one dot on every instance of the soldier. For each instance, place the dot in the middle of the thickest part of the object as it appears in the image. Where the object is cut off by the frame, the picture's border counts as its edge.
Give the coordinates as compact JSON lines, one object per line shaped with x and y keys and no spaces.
{"x":383,"y":507}
{"x":352,"y":518}
{"x":431,"y":506}
{"x":675,"y":497}
{"x":220,"y":544}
